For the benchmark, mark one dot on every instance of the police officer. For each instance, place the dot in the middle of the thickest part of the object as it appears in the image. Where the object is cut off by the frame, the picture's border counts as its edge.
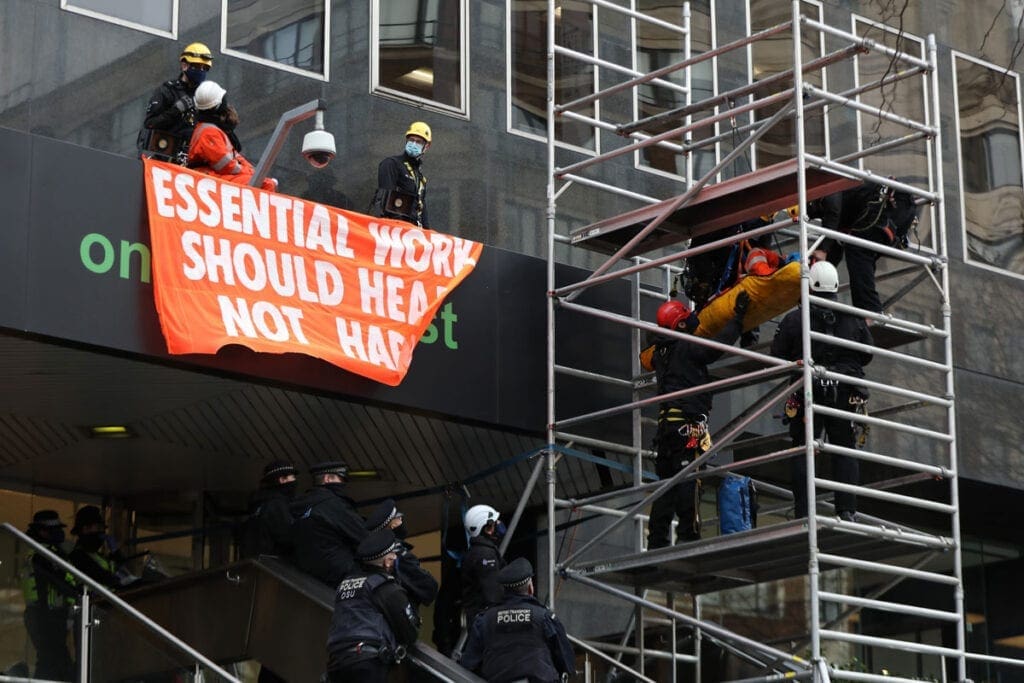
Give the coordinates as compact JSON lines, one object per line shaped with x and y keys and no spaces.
{"x":268,"y":529}
{"x":683,"y":421}
{"x":327,"y":527}
{"x":841,"y":395}
{"x":482,"y":562}
{"x":520,"y":639}
{"x":95,"y":553}
{"x":417,"y":581}
{"x":373,"y":621}
{"x":171,"y":112}
{"x":401,"y":185}
{"x":49,"y":593}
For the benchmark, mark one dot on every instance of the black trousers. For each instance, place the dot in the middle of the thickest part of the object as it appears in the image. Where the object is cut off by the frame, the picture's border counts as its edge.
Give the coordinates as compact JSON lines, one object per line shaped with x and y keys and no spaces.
{"x":369,"y":670}
{"x":682,"y":501}
{"x":840,"y":433}
{"x":48,"y":630}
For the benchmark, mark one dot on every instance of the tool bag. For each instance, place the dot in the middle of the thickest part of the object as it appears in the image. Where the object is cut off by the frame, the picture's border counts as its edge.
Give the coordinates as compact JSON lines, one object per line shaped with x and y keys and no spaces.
{"x":737,"y":504}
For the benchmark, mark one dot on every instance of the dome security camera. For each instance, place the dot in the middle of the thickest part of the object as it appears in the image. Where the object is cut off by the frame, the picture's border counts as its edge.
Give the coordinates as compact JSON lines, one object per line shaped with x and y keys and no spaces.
{"x":318,"y":148}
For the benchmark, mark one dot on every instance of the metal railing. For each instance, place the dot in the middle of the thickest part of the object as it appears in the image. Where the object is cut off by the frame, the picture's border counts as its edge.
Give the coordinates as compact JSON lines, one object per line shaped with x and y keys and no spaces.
{"x":91,"y":590}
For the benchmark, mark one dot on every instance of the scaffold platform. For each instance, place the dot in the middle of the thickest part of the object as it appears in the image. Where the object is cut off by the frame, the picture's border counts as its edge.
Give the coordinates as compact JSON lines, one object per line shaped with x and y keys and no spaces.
{"x":727,"y":203}
{"x":770,"y":553}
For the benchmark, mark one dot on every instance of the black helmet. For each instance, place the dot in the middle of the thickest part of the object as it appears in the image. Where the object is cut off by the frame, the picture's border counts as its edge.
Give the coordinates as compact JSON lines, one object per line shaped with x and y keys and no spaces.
{"x":90,"y":514}
{"x":46,"y":519}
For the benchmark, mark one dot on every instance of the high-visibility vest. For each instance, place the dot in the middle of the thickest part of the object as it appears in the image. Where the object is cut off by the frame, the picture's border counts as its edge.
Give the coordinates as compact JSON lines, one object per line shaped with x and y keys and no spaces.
{"x":30,"y":587}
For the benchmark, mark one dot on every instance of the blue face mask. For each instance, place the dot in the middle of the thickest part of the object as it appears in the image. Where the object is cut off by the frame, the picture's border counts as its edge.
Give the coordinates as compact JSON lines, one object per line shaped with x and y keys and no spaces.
{"x":413,"y":149}
{"x":500,"y":530}
{"x":195,"y":75}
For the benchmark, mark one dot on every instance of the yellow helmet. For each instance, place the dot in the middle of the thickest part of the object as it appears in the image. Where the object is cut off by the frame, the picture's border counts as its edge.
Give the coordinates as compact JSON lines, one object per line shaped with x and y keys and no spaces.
{"x":197,"y":53}
{"x":419,"y":128}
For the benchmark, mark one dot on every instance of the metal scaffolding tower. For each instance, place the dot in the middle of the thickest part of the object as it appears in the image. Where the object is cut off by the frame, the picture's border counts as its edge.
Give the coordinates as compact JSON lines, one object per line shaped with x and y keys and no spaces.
{"x":638,"y":244}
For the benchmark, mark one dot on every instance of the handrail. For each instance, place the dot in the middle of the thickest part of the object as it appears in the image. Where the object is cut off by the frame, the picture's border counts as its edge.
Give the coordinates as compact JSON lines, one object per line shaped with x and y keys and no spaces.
{"x":102,"y":590}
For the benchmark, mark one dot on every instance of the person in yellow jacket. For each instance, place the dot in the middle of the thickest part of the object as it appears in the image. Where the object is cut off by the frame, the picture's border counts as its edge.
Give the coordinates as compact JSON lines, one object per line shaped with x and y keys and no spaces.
{"x":49,"y":593}
{"x":214,"y":147}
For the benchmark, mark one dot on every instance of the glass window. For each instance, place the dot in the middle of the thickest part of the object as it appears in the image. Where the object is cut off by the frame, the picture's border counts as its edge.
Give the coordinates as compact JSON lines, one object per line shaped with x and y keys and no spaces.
{"x":527,"y":69}
{"x":658,"y":47}
{"x":774,"y":55}
{"x":153,"y":16}
{"x":992,"y":197}
{"x":287,"y":33}
{"x":419,"y":51}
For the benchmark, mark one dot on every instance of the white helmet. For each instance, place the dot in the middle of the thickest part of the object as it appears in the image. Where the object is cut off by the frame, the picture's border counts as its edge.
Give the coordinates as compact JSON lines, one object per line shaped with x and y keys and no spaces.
{"x":209,"y":95}
{"x":477,"y":517}
{"x":824,"y":277}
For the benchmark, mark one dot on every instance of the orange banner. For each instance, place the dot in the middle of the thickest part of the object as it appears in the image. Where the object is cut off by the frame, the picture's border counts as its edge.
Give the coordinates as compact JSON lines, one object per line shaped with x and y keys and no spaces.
{"x":233,"y":264}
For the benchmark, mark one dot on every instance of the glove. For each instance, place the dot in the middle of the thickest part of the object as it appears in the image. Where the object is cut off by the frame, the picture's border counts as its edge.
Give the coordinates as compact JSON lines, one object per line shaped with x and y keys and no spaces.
{"x":111,"y":543}
{"x":183,"y":104}
{"x":742,"y":302}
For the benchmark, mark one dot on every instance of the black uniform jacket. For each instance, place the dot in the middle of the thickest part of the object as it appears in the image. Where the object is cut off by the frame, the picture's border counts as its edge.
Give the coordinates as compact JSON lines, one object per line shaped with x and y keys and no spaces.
{"x":325,"y":533}
{"x":480,"y":566}
{"x":268,"y":530}
{"x":681,"y":364}
{"x":519,"y":639}
{"x":788,"y":344}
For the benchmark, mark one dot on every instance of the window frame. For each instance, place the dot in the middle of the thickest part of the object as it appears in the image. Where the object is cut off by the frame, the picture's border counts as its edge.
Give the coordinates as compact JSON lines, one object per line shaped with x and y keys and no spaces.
{"x":715,"y":129}
{"x":93,"y":14}
{"x":751,"y":117}
{"x":462,"y":111}
{"x":325,"y":76}
{"x":953,"y":55}
{"x":536,"y":137}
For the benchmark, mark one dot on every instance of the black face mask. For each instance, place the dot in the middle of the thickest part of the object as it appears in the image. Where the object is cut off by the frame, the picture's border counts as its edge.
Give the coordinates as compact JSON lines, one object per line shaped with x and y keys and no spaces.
{"x":401,"y":532}
{"x":90,"y":543}
{"x":288,"y":488}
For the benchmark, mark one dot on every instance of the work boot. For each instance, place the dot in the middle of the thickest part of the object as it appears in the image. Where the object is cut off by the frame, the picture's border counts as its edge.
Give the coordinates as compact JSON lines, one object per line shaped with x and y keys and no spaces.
{"x":848,"y":516}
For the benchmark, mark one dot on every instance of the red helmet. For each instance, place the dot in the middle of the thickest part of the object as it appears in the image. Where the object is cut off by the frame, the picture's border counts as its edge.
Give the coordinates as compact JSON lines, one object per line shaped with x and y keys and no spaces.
{"x":671,"y":313}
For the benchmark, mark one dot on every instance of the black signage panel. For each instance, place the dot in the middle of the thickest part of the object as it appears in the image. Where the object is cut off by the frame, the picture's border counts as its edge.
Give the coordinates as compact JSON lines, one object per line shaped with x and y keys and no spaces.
{"x":87,"y":270}
{"x":15,"y":190}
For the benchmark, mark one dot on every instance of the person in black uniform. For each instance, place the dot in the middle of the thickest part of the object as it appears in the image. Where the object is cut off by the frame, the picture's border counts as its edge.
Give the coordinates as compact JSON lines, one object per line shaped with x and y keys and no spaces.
{"x":482,"y":562}
{"x":268,"y":529}
{"x":788,"y":344}
{"x":95,"y":554}
{"x":869,"y":211}
{"x":171,"y":112}
{"x":373,"y":621}
{"x":49,"y":592}
{"x":520,"y":639}
{"x":401,"y":186}
{"x":683,"y":422}
{"x":327,"y":527}
{"x":417,"y":581}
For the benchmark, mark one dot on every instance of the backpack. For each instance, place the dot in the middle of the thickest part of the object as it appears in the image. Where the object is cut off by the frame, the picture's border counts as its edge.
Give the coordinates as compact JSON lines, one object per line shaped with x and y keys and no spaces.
{"x":737,"y":504}
{"x":885,"y":215}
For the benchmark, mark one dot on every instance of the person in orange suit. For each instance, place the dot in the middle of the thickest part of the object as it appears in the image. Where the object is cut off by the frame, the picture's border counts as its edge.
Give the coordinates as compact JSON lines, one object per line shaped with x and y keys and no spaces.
{"x":214,"y":148}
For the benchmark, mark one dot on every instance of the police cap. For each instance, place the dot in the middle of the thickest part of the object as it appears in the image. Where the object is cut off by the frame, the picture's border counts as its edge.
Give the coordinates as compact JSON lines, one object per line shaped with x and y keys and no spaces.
{"x":278,"y":468}
{"x":331,"y":467}
{"x":516,"y":573}
{"x":376,"y":545}
{"x":90,"y":514}
{"x":45,"y":519}
{"x":382,"y":515}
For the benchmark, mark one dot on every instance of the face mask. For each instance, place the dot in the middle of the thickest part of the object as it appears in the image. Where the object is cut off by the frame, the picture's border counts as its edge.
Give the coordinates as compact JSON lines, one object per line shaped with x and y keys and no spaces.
{"x":90,"y":543}
{"x":692,"y":322}
{"x":55,"y":537}
{"x":289,"y":488}
{"x":413,"y":149}
{"x":195,"y":75}
{"x":500,"y":530}
{"x":400,"y":532}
